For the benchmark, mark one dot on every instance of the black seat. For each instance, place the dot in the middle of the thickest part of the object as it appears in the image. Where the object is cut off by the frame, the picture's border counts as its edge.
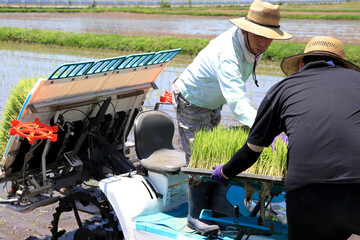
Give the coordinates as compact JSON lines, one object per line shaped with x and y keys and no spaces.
{"x":154,"y":131}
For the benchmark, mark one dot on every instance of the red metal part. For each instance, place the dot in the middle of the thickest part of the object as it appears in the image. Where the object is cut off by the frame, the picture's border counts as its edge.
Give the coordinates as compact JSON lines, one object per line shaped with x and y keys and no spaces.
{"x":166,"y":98}
{"x":34,"y":130}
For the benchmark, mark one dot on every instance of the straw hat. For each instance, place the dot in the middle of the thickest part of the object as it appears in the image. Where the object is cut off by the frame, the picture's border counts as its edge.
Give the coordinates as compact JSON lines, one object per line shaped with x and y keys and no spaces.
{"x":318,"y":46}
{"x":262,"y":19}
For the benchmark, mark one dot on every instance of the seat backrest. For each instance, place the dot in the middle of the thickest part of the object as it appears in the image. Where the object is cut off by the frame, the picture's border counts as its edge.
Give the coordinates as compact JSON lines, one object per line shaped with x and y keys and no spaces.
{"x":153,"y":130}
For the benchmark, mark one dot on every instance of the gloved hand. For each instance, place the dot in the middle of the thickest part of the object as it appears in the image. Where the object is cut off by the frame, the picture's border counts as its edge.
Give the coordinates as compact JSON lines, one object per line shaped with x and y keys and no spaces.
{"x":218,"y":176}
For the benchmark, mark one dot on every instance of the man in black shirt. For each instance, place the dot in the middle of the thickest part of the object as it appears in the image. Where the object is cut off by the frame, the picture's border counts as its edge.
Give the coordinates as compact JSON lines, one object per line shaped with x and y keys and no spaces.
{"x":318,"y":107}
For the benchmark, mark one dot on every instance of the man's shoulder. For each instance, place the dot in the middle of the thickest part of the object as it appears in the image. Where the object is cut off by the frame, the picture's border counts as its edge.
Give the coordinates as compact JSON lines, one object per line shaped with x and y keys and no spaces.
{"x":230,"y":31}
{"x":223,"y":45}
{"x":225,"y":36}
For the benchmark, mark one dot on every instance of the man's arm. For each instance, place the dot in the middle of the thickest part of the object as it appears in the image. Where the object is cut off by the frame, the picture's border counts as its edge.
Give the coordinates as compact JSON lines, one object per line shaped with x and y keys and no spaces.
{"x":232,"y":84}
{"x":267,"y":125}
{"x":244,"y":158}
{"x":255,"y":148}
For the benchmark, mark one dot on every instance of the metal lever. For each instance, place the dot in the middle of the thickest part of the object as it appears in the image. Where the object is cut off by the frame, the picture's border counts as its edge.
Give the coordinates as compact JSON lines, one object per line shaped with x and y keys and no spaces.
{"x":236,"y":211}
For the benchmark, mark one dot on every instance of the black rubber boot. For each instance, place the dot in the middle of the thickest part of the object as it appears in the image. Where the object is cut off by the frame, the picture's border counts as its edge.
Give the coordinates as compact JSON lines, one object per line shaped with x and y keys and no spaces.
{"x":199,"y":199}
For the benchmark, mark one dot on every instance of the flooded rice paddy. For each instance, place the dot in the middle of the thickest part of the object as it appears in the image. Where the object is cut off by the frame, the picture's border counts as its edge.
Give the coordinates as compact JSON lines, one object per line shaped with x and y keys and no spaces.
{"x":184,"y":26}
{"x":28,"y":61}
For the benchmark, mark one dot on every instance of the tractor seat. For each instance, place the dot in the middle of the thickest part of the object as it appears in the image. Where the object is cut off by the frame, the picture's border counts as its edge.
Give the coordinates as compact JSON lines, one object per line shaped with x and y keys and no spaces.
{"x":154,"y":131}
{"x":165,"y":160}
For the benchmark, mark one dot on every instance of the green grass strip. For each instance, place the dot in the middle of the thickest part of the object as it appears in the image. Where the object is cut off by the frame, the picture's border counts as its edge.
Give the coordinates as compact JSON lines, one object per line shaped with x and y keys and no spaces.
{"x":196,"y":12}
{"x":211,"y":148}
{"x":14,"y":103}
{"x":190,"y":46}
{"x":322,"y":16}
{"x":318,"y":10}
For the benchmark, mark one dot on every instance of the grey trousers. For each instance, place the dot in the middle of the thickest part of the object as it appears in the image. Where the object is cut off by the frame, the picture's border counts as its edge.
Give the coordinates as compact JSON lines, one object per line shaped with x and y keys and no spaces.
{"x":191,"y":118}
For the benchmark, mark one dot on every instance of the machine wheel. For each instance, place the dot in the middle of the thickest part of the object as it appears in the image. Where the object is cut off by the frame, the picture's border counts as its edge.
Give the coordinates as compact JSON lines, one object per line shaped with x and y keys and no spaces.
{"x":108,"y":229}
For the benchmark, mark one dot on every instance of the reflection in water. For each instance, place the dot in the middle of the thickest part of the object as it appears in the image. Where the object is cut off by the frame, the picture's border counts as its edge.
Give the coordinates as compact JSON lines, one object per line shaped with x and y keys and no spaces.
{"x":23,"y":63}
{"x":125,"y":23}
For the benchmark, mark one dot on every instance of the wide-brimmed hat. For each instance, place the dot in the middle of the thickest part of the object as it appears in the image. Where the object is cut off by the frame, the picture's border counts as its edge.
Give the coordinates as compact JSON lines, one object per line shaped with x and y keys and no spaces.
{"x":318,"y":46}
{"x":262,"y":19}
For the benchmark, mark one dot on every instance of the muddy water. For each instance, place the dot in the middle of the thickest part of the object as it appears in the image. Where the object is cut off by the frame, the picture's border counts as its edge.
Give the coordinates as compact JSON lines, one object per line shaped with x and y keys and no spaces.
{"x":157,"y":25}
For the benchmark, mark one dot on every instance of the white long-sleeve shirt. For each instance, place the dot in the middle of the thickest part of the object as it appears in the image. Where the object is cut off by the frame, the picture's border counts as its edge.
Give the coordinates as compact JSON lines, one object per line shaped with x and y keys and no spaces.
{"x":218,"y":75}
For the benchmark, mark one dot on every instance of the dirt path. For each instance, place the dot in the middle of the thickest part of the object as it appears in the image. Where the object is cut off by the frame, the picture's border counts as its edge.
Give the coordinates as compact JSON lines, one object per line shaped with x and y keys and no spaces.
{"x":36,"y":225}
{"x":32,"y":225}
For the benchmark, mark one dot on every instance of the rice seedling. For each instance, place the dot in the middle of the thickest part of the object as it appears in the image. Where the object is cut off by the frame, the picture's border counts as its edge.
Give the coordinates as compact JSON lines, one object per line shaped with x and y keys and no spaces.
{"x":12,"y":108}
{"x":35,"y":221}
{"x":217,"y":146}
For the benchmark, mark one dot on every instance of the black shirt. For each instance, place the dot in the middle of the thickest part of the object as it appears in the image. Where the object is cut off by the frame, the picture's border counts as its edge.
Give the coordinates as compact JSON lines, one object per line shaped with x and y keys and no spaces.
{"x":319,"y":110}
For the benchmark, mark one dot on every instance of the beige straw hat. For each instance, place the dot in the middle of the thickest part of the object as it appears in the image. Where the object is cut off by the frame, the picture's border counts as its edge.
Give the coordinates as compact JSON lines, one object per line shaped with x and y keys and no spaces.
{"x":262,"y":19}
{"x":318,"y":46}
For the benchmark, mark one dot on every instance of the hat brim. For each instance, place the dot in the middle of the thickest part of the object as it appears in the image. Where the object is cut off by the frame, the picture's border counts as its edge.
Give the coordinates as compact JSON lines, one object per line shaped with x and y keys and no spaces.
{"x":290,"y":65}
{"x":268,"y":32}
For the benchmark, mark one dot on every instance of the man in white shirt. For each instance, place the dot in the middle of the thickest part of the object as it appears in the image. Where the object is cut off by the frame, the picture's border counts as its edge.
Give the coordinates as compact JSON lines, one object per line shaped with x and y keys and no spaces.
{"x":217,"y":76}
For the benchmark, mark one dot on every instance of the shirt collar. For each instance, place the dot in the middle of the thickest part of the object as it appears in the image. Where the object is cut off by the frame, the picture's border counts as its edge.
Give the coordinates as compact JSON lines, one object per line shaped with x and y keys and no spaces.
{"x":248,"y":56}
{"x":316,"y":64}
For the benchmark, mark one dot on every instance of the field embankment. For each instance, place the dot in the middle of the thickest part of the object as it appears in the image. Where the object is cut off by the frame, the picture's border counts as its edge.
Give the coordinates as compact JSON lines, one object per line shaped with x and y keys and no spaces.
{"x":348,"y":10}
{"x":190,"y":46}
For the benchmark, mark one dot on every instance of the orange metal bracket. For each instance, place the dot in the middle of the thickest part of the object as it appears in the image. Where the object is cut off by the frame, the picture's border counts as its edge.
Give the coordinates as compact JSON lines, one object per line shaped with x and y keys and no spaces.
{"x":34,"y":130}
{"x":166,"y":98}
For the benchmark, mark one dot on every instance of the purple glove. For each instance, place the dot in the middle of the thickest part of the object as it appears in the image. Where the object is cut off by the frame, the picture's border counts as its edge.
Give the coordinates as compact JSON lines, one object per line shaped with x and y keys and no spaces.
{"x":218,"y":176}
